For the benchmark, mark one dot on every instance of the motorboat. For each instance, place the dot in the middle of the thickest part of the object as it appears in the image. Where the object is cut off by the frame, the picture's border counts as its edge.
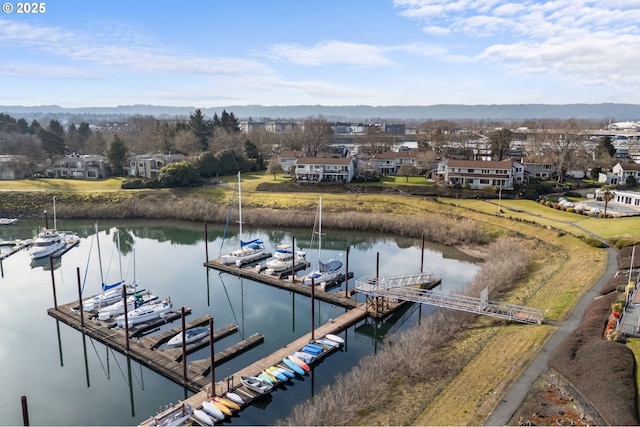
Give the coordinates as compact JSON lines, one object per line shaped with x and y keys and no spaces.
{"x":145,"y":313}
{"x":256,"y":384}
{"x":191,"y":335}
{"x":8,"y":221}
{"x":47,"y":242}
{"x":285,"y":259}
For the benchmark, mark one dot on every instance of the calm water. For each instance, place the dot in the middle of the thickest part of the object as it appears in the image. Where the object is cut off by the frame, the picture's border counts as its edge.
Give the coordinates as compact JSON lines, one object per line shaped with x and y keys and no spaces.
{"x":70,"y":379}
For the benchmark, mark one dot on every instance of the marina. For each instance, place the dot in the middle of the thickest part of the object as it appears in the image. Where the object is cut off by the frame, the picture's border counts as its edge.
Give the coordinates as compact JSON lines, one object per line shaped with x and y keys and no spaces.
{"x":248,"y":344}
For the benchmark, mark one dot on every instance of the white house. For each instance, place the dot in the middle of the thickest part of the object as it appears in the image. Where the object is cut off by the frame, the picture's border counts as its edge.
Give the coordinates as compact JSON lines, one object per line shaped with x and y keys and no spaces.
{"x":388,"y":163}
{"x":619,"y":173}
{"x":327,"y":169}
{"x":478,"y":174}
{"x":288,"y":159}
{"x":78,"y":167}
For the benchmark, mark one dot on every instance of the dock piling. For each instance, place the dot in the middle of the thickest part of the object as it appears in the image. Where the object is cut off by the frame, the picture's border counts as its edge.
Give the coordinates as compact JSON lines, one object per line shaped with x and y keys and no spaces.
{"x":53,"y":282}
{"x":79,"y":297}
{"x":25,"y":411}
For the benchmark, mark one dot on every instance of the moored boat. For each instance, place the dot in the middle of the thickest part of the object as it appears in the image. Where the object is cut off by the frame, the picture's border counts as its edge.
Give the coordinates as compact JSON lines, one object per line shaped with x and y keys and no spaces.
{"x":146,"y":313}
{"x":203,"y":417}
{"x":285,"y":259}
{"x":8,"y":221}
{"x":174,"y":418}
{"x":326,"y":272}
{"x":191,"y":335}
{"x":213,"y":410}
{"x":256,"y":384}
{"x":47,"y":242}
{"x":227,"y":402}
{"x":235,"y":397}
{"x":138,"y":299}
{"x":335,"y":338}
{"x":293,"y":366}
{"x":299,"y":362}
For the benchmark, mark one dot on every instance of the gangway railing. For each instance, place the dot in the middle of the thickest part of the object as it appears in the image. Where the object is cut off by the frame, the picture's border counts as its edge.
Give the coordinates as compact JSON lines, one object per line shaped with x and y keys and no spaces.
{"x":404,"y":288}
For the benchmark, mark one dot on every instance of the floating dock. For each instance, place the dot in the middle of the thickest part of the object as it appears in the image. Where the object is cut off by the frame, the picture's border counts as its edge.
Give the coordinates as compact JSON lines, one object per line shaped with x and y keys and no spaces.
{"x":144,"y":350}
{"x":290,"y":283}
{"x":16,"y":246}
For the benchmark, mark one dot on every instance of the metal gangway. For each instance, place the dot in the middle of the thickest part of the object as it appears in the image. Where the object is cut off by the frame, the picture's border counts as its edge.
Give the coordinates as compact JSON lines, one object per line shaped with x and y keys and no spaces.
{"x":380,"y":291}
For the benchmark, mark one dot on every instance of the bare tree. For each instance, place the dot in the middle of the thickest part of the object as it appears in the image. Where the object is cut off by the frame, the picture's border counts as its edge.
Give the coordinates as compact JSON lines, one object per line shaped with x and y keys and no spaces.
{"x":317,"y":134}
{"x":407,"y":170}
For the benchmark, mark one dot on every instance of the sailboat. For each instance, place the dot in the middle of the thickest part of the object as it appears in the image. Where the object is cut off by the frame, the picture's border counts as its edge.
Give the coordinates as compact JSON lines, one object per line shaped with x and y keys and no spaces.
{"x":110,"y":293}
{"x":49,"y":241}
{"x":248,"y":251}
{"x":326,"y":272}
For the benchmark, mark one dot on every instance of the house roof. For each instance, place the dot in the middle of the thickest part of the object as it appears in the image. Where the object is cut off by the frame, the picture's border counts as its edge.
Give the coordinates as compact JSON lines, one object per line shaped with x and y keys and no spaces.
{"x":630,"y":166}
{"x":289,"y":154}
{"x":508,"y":163}
{"x":344,"y":161}
{"x":392,"y":155}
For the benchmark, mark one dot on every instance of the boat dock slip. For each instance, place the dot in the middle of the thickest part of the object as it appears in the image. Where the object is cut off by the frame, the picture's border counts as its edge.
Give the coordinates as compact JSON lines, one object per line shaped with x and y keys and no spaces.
{"x":336,"y":298}
{"x":16,"y":246}
{"x":334,"y":326}
{"x":142,"y":349}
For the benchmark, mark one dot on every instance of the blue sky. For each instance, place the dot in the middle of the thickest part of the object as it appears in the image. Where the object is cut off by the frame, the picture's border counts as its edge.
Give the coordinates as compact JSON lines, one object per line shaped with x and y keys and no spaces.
{"x":81,"y":53}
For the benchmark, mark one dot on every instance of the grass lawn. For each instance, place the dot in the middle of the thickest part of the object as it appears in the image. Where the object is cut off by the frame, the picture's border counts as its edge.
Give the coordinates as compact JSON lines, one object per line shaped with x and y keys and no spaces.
{"x":55,"y":184}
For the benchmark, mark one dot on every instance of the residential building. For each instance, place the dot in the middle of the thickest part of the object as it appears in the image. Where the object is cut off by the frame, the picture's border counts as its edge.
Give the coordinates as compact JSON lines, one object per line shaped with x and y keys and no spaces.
{"x":389,"y":162}
{"x":77,"y":166}
{"x":619,"y":174}
{"x":288,"y":159}
{"x":539,"y":170}
{"x":149,"y":165}
{"x":628,"y":198}
{"x":326,"y":169}
{"x":480,"y":174}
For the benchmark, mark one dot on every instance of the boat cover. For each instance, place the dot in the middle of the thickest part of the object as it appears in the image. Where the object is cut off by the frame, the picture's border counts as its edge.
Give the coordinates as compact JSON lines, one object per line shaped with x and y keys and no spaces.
{"x":106,"y":287}
{"x":332,"y":265}
{"x":253,"y":244}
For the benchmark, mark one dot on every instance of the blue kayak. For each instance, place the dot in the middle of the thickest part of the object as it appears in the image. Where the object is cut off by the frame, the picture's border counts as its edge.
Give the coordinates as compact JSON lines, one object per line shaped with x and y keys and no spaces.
{"x":293,"y":366}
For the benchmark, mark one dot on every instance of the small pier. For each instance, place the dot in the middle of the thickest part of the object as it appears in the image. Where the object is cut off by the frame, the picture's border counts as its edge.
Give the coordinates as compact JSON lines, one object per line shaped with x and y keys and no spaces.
{"x":16,"y":246}
{"x":145,"y":350}
{"x":290,"y":283}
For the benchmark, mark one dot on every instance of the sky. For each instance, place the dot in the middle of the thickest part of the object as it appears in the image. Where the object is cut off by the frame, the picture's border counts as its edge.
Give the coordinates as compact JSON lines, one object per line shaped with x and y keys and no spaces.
{"x":212,"y":53}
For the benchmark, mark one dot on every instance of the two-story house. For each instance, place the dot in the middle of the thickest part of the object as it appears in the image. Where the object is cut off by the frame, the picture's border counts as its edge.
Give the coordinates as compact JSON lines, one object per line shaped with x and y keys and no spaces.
{"x":619,"y":173}
{"x":288,"y":160}
{"x":480,"y":174}
{"x":389,"y":162}
{"x":326,"y":169}
{"x":149,"y":165}
{"x":78,"y":167}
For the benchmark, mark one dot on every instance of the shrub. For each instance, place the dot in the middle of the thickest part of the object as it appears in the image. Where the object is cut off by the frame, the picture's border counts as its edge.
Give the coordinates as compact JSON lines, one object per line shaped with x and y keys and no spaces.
{"x":548,"y":203}
{"x":572,"y":194}
{"x":137,"y":183}
{"x":571,"y":210}
{"x":594,"y":242}
{"x":623,"y":243}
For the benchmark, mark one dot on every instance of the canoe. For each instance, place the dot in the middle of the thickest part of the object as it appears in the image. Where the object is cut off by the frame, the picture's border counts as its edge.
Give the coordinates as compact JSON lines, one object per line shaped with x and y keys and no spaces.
{"x":335,"y":338}
{"x":227,"y":402}
{"x":235,"y":398}
{"x":213,"y":410}
{"x":225,"y":410}
{"x":202,"y":417}
{"x":276,"y":373}
{"x":305,"y":357}
{"x":299,"y":362}
{"x":293,"y":366}
{"x":256,"y":384}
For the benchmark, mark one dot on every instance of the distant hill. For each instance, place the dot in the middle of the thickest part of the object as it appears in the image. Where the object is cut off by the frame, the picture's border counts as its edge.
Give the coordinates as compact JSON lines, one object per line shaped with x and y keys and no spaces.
{"x":605,"y":111}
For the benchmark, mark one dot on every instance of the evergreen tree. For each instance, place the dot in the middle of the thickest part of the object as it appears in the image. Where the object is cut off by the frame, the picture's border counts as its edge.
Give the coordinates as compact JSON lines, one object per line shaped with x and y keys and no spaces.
{"x":179,"y":174}
{"x":201,"y":128}
{"x":23,"y":126}
{"x":606,"y":146}
{"x":53,"y":139}
{"x":116,"y":155}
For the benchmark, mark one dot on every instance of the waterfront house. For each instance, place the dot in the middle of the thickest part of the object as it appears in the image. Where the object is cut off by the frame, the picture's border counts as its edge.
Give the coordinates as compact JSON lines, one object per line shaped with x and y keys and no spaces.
{"x":149,"y":165}
{"x":324,"y":169}
{"x":78,"y":166}
{"x":478,"y":174}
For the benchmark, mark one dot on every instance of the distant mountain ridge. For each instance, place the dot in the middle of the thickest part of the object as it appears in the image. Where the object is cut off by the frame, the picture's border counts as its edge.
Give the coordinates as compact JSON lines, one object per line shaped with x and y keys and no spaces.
{"x":603,"y":111}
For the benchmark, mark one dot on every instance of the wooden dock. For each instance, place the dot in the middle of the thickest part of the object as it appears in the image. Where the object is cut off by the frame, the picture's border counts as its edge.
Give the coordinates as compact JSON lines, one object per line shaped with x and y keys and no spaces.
{"x":16,"y":246}
{"x":292,"y":284}
{"x":233,"y":383}
{"x":143,"y":349}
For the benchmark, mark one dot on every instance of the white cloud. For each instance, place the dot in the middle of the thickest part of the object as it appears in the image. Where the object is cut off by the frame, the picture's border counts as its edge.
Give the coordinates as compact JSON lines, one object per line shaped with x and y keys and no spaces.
{"x":331,"y":52}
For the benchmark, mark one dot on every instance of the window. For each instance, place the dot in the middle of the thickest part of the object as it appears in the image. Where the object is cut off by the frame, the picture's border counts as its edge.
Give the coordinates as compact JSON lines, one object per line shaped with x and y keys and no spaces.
{"x":484,"y":181}
{"x":471,"y":170}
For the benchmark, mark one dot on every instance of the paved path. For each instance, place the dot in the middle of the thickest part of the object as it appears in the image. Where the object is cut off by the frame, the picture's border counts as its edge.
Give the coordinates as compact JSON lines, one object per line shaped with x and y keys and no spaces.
{"x":540,"y":364}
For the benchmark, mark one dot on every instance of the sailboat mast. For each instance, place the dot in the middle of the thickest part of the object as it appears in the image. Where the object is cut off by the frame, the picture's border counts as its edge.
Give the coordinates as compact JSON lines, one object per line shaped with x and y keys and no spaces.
{"x":55,"y":225}
{"x":319,"y":228}
{"x":99,"y":257}
{"x":239,"y":204}
{"x":119,"y":256}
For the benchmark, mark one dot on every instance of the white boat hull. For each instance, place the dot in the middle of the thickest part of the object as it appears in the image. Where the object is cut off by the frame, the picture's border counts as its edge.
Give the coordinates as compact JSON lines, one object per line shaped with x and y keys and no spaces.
{"x":145,"y":313}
